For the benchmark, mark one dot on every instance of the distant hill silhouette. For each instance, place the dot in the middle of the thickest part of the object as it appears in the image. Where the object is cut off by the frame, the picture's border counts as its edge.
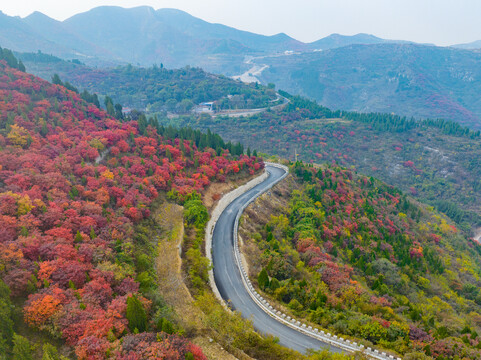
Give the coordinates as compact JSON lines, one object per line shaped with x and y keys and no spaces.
{"x":144,"y":36}
{"x":360,"y":72}
{"x":470,"y":46}
{"x":407,"y":79}
{"x":336,"y":40}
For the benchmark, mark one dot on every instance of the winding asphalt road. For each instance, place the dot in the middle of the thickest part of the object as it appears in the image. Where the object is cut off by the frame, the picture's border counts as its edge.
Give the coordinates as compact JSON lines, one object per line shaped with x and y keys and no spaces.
{"x":229,"y":282}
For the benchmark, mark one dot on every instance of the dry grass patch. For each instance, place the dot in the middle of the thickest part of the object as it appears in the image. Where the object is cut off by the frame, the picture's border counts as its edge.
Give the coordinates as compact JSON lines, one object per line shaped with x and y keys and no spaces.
{"x":172,"y":284}
{"x":216,"y":190}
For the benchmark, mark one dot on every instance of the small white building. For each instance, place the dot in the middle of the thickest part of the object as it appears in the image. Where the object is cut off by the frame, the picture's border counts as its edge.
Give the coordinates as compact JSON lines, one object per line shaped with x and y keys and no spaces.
{"x":205,"y":107}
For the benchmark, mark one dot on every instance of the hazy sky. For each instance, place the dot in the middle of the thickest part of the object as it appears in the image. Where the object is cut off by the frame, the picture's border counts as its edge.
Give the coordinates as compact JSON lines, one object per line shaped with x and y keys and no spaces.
{"x":443,"y":22}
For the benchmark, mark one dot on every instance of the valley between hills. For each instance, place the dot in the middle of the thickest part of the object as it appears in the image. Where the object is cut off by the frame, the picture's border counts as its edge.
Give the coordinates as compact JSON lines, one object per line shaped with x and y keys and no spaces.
{"x":346,"y":170}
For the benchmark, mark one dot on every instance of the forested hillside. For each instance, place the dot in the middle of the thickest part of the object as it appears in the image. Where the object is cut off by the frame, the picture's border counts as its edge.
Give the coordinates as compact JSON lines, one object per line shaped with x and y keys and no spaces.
{"x":357,"y":73}
{"x":361,"y":259}
{"x":434,"y":160}
{"x":112,"y":162}
{"x":76,"y":184}
{"x":406,"y":79}
{"x":154,"y":89}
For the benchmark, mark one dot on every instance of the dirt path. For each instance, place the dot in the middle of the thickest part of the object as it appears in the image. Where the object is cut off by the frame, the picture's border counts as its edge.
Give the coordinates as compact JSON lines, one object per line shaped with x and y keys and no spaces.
{"x":251,"y":75}
{"x":477,"y":235}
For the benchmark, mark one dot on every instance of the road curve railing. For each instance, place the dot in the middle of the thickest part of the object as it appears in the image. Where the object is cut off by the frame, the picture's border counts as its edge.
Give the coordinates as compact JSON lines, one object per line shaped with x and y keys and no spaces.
{"x":347,"y":345}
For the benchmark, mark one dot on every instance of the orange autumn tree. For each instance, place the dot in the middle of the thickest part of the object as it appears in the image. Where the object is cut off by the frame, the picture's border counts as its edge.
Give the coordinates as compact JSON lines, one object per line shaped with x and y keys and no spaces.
{"x":74,"y":184}
{"x":41,"y":308}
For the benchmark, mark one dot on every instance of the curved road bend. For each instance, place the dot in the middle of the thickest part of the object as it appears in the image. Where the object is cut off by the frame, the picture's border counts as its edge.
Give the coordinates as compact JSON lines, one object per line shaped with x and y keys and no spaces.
{"x":229,"y":282}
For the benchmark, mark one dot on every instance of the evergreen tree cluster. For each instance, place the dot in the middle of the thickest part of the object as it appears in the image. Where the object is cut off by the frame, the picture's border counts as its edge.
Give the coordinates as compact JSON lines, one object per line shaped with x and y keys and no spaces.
{"x":7,"y":55}
{"x":451,"y":128}
{"x":39,"y":57}
{"x":6,"y":320}
{"x":57,"y":81}
{"x":379,"y":121}
{"x":201,"y":140}
{"x":90,"y":98}
{"x":396,"y":123}
{"x":456,"y":213}
{"x":383,"y":122}
{"x":314,"y":110}
{"x":113,"y":110}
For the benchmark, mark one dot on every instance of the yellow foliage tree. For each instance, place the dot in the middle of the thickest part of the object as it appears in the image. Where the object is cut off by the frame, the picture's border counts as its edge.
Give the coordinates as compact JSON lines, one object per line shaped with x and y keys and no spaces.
{"x":108,"y":174}
{"x":24,"y":204}
{"x":18,"y":135}
{"x":97,"y":143}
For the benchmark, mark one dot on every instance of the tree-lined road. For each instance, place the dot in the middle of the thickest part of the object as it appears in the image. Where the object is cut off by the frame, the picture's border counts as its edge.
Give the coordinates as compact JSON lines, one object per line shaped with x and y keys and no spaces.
{"x":229,"y":281}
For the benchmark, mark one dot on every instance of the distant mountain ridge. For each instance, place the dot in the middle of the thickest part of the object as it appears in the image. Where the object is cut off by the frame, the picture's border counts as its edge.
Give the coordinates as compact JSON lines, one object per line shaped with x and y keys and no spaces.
{"x":469,"y":46}
{"x":142,"y":35}
{"x":406,"y":79}
{"x":360,"y":72}
{"x":337,"y":40}
{"x":59,"y":33}
{"x":18,"y":35}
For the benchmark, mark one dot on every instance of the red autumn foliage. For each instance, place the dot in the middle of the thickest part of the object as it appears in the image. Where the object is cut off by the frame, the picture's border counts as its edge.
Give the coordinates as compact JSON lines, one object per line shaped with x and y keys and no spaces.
{"x":72,"y":186}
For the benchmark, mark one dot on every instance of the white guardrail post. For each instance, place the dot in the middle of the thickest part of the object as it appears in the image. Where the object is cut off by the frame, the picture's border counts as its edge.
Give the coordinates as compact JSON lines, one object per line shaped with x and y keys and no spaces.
{"x":283,"y":318}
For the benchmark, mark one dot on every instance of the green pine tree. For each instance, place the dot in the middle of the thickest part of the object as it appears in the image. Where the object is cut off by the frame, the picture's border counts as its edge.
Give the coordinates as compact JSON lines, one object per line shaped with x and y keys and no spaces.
{"x":92,"y":233}
{"x":56,"y":80}
{"x":78,"y":237}
{"x":275,"y":284}
{"x":22,"y":349}
{"x":263,"y":279}
{"x":136,"y":315}
{"x":50,"y":352}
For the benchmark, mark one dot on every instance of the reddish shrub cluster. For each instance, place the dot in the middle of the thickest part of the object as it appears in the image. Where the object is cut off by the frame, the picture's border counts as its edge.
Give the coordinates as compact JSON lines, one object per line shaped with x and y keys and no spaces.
{"x":67,"y":213}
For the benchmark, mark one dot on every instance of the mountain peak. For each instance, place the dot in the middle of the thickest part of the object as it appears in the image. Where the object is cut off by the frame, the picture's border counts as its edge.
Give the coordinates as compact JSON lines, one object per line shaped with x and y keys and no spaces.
{"x":282,"y":35}
{"x":336,"y":40}
{"x":109,"y":12}
{"x":173,"y":11}
{"x":37,"y":16}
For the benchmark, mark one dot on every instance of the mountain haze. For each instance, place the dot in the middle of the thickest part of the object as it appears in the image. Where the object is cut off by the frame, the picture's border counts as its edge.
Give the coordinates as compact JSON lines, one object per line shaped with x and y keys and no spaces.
{"x":142,"y":35}
{"x":360,"y":72}
{"x":336,"y":40}
{"x":470,"y":46}
{"x":407,"y":79}
{"x":58,"y":33}
{"x":18,"y":35}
